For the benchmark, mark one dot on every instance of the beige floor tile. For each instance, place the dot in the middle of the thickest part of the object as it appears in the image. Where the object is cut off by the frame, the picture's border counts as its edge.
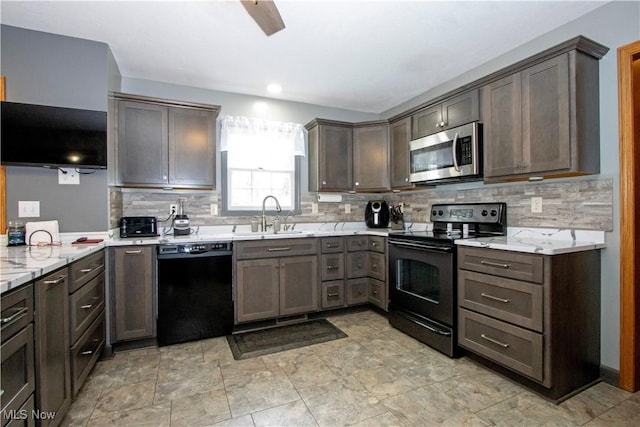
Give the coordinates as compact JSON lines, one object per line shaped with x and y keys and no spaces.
{"x":244,"y":421}
{"x":151,"y":416}
{"x":624,"y":414}
{"x":217,"y":349}
{"x":388,"y":419}
{"x":125,"y":397}
{"x":262,"y":390}
{"x":525,"y":409}
{"x":425,"y":406}
{"x":200,"y":410}
{"x":302,"y":366}
{"x":385,"y":382}
{"x":188,"y":381}
{"x":293,"y":414}
{"x":593,"y":402}
{"x":347,"y":358}
{"x":341,"y":402}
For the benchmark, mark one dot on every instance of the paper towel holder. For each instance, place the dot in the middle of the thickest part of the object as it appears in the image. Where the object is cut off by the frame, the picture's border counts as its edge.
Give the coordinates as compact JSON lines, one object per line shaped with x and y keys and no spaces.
{"x":329,"y":198}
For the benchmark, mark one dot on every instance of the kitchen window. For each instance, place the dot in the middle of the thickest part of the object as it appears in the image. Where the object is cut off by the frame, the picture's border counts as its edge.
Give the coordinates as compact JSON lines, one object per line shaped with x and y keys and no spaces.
{"x":260,"y":158}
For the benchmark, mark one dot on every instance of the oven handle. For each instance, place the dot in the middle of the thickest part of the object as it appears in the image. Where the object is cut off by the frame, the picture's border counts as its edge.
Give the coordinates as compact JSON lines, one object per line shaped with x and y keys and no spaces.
{"x":455,"y":160}
{"x":432,"y":329}
{"x":422,"y":246}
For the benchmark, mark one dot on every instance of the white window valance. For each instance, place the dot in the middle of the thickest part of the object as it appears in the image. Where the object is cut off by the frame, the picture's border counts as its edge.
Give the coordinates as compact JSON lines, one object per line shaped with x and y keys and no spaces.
{"x":250,"y":135}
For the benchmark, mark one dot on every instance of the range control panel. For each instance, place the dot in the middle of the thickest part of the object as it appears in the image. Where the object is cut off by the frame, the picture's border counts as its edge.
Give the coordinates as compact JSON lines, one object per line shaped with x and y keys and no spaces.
{"x":469,"y":213}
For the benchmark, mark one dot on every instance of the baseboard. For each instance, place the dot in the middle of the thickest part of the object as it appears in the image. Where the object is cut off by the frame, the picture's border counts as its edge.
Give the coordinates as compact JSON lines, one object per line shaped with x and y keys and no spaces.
{"x":610,"y":376}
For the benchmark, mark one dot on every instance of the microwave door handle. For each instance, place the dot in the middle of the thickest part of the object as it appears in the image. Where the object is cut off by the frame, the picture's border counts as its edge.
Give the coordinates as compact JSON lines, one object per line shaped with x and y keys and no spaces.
{"x":455,"y":158}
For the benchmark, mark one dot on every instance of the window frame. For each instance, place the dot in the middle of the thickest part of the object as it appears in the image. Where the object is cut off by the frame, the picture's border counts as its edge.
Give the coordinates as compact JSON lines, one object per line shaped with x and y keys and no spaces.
{"x":270,"y":209}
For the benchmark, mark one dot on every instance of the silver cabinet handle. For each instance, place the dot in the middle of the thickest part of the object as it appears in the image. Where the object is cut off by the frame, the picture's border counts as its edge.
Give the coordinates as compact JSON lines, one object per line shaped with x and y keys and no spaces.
{"x":86,"y":353}
{"x":89,"y":306}
{"x":278,"y":249}
{"x":54,"y":282}
{"x":494,"y":264}
{"x":495,"y":341}
{"x":86,"y":270}
{"x":332,"y":245}
{"x":332,"y":267}
{"x":333,"y":295}
{"x":18,"y":313}
{"x":139,"y":251}
{"x":494,"y":298}
{"x":374,"y":292}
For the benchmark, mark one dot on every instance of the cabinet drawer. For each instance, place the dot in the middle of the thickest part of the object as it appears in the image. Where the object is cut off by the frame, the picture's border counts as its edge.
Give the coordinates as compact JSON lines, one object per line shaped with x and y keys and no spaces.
{"x":357,"y":243}
{"x":377,"y":244}
{"x":515,"y":348}
{"x":357,"y":291}
{"x":357,"y":264}
{"x":28,"y":408}
{"x":377,"y":293}
{"x":516,"y":302}
{"x":85,"y":305}
{"x":85,"y":269}
{"x":333,"y":294}
{"x":332,"y":266}
{"x":377,"y":266}
{"x":332,"y":245}
{"x":518,"y":266}
{"x":85,"y":353}
{"x":17,"y":311}
{"x":275,"y":248}
{"x":18,"y":371}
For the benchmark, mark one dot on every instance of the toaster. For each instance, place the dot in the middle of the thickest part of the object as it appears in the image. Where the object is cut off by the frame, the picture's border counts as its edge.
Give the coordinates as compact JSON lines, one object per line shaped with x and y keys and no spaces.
{"x":138,"y":226}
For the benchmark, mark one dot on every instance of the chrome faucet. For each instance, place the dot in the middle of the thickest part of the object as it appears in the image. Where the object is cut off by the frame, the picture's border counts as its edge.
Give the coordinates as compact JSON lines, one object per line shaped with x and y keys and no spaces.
{"x":264,"y":217}
{"x":286,"y":226}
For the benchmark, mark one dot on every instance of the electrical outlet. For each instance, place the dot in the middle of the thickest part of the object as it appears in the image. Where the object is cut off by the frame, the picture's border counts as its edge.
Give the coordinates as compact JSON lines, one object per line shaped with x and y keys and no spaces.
{"x":536,"y":205}
{"x":314,"y":208}
{"x":214,"y":209}
{"x":347,"y":208}
{"x":28,"y":209}
{"x":68,"y":176}
{"x":173,"y":208}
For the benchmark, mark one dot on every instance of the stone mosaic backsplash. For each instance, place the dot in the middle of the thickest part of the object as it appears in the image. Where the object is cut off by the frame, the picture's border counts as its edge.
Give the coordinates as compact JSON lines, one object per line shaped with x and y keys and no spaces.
{"x":574,"y":203}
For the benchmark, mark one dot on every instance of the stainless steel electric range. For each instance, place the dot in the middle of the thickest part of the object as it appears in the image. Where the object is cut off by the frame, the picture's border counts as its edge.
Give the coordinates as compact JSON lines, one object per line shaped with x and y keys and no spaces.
{"x":422,"y":271}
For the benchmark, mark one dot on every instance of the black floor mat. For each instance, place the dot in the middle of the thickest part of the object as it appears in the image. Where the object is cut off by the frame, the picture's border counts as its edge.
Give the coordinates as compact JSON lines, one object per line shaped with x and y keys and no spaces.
{"x":281,"y":338}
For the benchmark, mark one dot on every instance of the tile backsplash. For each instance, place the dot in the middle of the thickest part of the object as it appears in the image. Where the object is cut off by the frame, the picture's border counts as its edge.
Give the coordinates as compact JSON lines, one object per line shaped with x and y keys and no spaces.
{"x":573,"y":203}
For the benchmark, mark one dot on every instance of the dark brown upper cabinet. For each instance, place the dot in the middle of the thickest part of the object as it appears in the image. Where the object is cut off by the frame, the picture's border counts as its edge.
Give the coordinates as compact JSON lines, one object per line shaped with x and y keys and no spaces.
{"x":452,"y":112}
{"x":371,"y":156}
{"x":330,"y":155}
{"x":400,"y":136}
{"x":161,"y":143}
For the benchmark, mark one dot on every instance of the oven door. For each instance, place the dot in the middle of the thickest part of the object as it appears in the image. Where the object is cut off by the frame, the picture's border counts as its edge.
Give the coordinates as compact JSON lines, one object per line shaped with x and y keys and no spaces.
{"x":421,"y":279}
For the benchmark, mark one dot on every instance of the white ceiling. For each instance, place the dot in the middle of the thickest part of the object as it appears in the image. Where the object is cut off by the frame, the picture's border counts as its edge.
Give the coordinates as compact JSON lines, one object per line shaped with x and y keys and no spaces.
{"x":367,"y":56}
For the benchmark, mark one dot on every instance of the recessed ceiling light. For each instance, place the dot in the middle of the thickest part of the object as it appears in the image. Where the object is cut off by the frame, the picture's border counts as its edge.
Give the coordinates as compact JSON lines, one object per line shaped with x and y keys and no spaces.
{"x":274,"y":88}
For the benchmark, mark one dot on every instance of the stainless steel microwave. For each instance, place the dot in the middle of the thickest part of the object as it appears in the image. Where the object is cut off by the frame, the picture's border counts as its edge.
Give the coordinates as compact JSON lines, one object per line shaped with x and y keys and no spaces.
{"x":450,"y":155}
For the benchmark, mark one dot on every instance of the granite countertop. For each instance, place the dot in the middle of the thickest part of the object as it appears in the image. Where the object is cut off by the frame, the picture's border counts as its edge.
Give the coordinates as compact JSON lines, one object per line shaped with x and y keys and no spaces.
{"x":21,"y":264}
{"x":541,"y":241}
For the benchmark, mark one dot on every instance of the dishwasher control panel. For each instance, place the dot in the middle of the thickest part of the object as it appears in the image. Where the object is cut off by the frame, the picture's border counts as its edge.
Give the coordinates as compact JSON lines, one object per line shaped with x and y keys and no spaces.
{"x":210,"y":248}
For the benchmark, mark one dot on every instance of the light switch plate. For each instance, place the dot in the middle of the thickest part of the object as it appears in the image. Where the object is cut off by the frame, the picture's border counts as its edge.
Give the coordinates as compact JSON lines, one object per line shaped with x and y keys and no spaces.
{"x":68,"y":176}
{"x":28,"y":209}
{"x":536,"y":205}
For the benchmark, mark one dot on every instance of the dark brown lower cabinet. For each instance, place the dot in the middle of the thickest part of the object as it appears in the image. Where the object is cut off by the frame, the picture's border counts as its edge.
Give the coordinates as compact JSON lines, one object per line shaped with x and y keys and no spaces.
{"x":133,"y":299}
{"x":53,"y":370}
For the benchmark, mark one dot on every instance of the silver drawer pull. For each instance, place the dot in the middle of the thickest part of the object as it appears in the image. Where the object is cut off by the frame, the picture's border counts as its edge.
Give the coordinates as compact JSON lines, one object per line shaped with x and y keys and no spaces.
{"x":333,"y":295}
{"x":278,"y":249}
{"x":494,"y":264}
{"x":488,"y":338}
{"x":88,"y":306}
{"x":332,"y":267}
{"x":139,"y":251}
{"x":18,"y":313}
{"x":494,"y":298}
{"x":54,"y":282}
{"x":86,"y":353}
{"x":332,"y":245}
{"x":86,"y":270}
{"x":374,"y":244}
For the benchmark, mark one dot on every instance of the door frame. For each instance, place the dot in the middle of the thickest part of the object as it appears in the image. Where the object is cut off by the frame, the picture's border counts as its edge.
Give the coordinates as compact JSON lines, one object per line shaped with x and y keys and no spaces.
{"x":629,"y":164}
{"x":3,"y":176}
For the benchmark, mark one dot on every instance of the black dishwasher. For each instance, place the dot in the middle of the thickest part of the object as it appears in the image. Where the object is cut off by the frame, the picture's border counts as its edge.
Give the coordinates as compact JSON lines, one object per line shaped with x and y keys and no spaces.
{"x":194,"y":292}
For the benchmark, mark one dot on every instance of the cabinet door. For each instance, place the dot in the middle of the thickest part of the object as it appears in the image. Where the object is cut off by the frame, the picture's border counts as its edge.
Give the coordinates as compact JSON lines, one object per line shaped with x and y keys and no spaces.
{"x":298,"y":285}
{"x":333,"y":294}
{"x":142,"y":145}
{"x":257,"y":289}
{"x":377,"y":293}
{"x":357,"y":291}
{"x":377,"y":265}
{"x":501,"y":115}
{"x":357,"y":264}
{"x":332,"y":266}
{"x":53,"y":363}
{"x":335,"y":157}
{"x":460,"y":110}
{"x":399,"y":148}
{"x":371,"y":158}
{"x":426,"y":122}
{"x":545,"y":116}
{"x":133,"y":292}
{"x":192,"y":159}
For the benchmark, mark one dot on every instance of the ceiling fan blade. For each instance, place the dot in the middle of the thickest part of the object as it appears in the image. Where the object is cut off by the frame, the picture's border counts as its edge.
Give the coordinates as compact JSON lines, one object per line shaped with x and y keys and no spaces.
{"x":266,"y":15}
